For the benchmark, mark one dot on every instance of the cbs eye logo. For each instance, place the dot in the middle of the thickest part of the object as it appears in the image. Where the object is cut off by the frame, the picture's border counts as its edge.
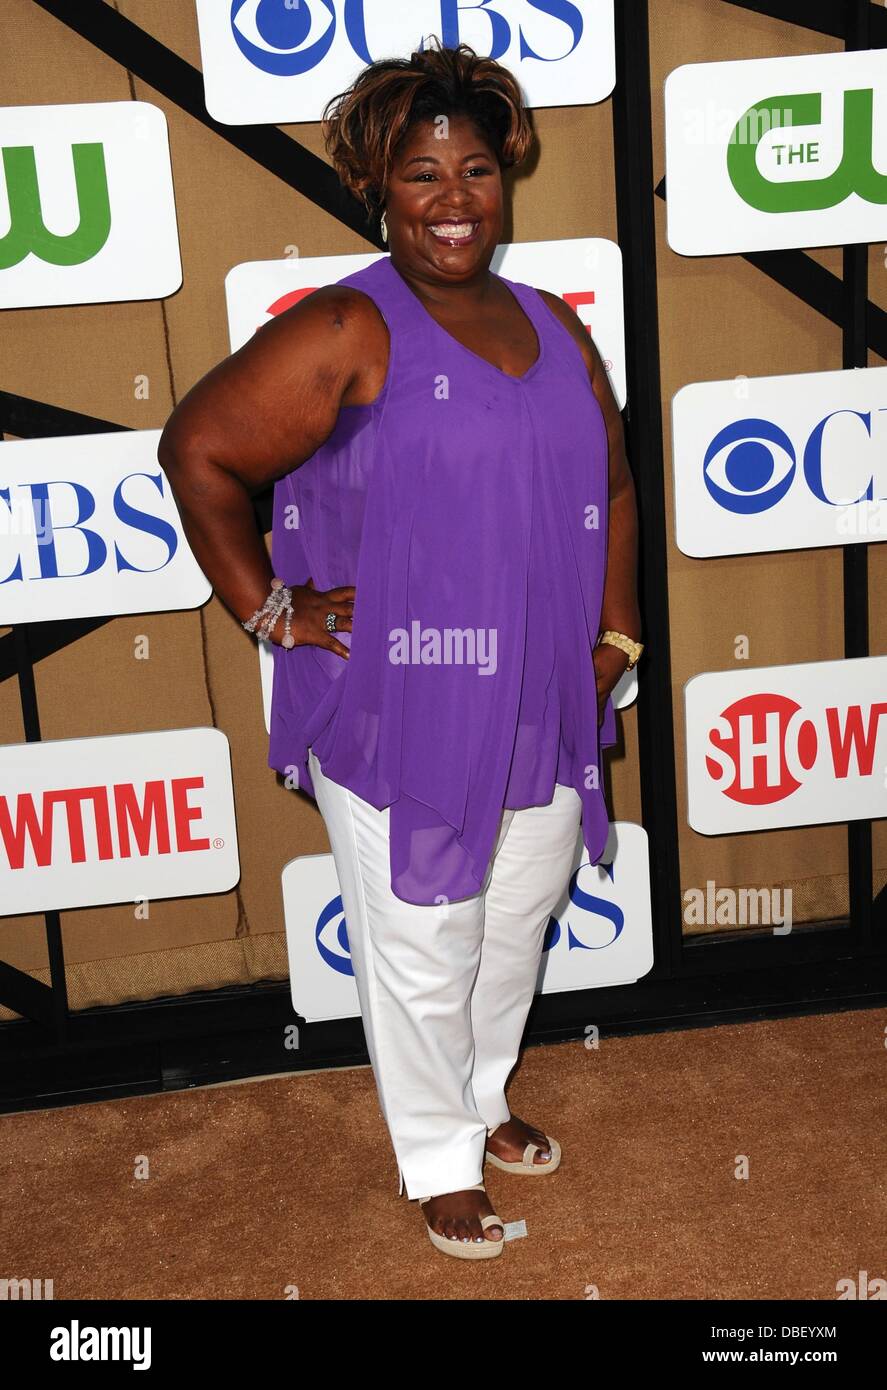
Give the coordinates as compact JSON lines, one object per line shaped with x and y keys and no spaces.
{"x":749,"y":466}
{"x":331,"y":938}
{"x":284,"y":37}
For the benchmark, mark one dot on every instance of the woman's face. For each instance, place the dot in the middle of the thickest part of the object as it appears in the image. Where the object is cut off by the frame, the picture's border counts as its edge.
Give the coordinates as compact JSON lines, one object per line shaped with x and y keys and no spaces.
{"x":444,"y":201}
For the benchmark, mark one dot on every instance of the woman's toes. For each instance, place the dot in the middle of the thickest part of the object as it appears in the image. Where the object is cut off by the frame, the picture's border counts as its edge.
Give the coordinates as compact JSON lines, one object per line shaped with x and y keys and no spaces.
{"x":466,"y":1229}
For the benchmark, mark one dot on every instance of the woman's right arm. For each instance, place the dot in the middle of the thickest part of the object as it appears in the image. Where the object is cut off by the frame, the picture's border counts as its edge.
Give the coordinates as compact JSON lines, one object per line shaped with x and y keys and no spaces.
{"x":252,"y":419}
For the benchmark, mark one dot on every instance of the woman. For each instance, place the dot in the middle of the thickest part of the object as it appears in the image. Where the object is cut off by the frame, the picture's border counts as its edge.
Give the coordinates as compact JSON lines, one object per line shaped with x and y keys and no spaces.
{"x":454,"y":525}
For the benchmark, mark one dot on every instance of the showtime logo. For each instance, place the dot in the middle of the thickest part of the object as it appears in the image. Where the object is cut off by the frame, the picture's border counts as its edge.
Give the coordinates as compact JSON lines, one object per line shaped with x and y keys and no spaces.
{"x":765,"y":745}
{"x":796,"y":745}
{"x":126,"y":822}
{"x":102,"y":820}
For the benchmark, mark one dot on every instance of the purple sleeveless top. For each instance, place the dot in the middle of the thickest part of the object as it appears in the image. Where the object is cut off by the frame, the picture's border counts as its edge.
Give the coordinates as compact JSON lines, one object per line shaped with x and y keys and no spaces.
{"x":469,"y":509}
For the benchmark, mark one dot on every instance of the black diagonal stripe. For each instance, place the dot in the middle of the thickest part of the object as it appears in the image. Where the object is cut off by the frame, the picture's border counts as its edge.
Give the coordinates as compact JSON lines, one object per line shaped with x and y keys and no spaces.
{"x":45,"y":639}
{"x":169,"y":74}
{"x":810,"y":282}
{"x":30,"y":419}
{"x":823,"y":16}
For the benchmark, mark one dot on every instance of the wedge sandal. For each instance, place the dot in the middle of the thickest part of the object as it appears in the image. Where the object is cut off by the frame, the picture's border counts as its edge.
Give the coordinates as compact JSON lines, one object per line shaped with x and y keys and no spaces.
{"x":470,"y":1249}
{"x":527,"y":1163}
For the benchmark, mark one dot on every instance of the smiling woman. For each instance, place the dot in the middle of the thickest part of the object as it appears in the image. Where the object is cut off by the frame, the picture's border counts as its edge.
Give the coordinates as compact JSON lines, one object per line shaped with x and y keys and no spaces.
{"x":450,"y":445}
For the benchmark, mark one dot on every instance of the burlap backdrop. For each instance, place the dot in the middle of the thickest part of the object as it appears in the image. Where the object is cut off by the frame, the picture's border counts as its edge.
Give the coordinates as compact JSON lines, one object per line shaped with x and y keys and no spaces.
{"x":719,"y":318}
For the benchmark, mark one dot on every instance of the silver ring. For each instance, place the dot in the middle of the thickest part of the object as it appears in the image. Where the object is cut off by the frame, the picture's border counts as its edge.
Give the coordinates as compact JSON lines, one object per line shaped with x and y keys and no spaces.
{"x":331,"y":622}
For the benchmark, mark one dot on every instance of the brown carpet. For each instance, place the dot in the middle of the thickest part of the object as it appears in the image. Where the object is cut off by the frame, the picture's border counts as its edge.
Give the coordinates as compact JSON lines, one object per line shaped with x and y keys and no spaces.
{"x":290,"y":1181}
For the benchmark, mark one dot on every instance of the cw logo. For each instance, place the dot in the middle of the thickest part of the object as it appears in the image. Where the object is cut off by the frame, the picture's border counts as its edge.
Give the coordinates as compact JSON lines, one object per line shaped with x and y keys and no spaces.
{"x":287,"y":38}
{"x":763,"y":746}
{"x":28,"y":232}
{"x":592,"y":905}
{"x":855,"y":173}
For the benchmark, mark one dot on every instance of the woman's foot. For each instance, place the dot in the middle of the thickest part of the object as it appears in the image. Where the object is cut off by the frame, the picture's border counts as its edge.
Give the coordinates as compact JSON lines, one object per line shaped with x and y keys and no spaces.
{"x":457,"y":1216}
{"x":509,"y":1141}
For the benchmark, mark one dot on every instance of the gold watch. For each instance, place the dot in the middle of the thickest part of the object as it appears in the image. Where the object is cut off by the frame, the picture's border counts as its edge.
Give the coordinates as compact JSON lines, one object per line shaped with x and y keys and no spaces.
{"x":625,"y":644}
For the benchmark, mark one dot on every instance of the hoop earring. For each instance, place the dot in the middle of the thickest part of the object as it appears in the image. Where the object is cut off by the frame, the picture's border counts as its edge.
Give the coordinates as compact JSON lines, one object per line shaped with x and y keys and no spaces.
{"x":383,"y":227}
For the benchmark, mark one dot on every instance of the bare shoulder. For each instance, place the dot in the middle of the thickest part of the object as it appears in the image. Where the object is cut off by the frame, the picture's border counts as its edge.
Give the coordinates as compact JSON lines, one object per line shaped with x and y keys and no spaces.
{"x":334,"y":337}
{"x":331,"y":312}
{"x":269,"y":406}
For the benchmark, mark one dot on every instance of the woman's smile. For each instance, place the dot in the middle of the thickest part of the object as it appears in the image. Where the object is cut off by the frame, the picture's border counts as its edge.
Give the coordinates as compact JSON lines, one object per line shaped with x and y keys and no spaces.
{"x":454,"y":233}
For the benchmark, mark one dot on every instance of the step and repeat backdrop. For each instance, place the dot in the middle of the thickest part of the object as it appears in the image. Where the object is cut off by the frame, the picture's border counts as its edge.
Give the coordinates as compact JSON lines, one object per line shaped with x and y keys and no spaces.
{"x":138,"y":247}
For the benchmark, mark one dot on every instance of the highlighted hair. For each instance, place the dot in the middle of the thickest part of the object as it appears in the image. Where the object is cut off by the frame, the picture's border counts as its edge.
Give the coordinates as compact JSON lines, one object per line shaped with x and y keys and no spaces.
{"x":364,"y":125}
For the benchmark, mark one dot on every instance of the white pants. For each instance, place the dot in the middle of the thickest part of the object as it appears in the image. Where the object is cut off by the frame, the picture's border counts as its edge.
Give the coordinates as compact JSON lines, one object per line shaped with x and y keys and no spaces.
{"x":445,"y":990}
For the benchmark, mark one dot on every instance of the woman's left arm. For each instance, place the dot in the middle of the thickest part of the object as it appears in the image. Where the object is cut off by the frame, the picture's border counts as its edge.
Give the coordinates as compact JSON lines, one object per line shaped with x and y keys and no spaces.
{"x":619,"y":608}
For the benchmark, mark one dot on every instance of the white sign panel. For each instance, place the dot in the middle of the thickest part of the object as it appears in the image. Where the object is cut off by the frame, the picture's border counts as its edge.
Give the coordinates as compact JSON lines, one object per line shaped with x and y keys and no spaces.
{"x":585,"y":271}
{"x":87,"y":211}
{"x":322,"y":981}
{"x":278,"y":61}
{"x":89,"y":526}
{"x":601,"y":933}
{"x":119,"y":819}
{"x":780,"y":462}
{"x":776,"y":152}
{"x":787,"y":745}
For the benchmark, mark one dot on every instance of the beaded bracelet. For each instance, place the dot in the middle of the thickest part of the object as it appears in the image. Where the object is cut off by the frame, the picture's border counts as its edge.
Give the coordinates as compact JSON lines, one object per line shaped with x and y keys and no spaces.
{"x":278,"y":601}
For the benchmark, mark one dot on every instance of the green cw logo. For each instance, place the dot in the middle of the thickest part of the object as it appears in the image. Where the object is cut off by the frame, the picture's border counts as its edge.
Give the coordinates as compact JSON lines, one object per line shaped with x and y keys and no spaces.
{"x":27,"y":230}
{"x":854,"y":174}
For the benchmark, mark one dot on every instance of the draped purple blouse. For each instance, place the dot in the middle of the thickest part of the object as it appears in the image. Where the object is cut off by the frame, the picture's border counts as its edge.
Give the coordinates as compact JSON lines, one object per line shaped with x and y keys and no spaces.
{"x":469,"y":509}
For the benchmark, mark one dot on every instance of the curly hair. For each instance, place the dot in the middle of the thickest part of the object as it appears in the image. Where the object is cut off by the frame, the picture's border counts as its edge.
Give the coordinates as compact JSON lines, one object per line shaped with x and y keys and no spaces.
{"x":364,"y":125}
